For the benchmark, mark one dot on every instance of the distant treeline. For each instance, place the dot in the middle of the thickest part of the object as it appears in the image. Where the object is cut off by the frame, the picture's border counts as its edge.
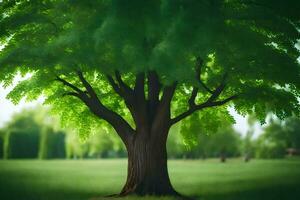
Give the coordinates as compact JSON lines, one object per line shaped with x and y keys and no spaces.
{"x":28,"y":136}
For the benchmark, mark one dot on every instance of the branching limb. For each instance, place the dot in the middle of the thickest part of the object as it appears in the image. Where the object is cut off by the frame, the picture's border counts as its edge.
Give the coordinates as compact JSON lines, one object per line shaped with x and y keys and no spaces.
{"x":87,"y":86}
{"x":168,"y":94}
{"x":139,"y":90}
{"x":124,"y":130}
{"x":120,"y":87}
{"x":154,"y":87}
{"x":193,"y":97}
{"x":68,"y":84}
{"x":75,"y":94}
{"x":210,"y":102}
{"x":206,"y":104}
{"x":114,"y":85}
{"x":163,"y":114}
{"x":216,"y":93}
{"x":121,"y":83}
{"x":135,"y":99}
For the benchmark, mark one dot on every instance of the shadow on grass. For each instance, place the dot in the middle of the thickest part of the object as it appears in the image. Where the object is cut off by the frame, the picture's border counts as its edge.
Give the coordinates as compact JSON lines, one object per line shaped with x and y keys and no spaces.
{"x":279,"y":192}
{"x":11,"y":192}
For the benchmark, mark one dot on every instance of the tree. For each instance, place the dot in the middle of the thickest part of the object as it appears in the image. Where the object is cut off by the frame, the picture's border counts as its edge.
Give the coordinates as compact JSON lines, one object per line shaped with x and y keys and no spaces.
{"x":51,"y":143}
{"x":21,"y":136}
{"x":248,"y":140}
{"x":272,"y":143}
{"x":278,"y":138}
{"x":29,"y":135}
{"x":143,"y":66}
{"x":1,"y":144}
{"x":225,"y":143}
{"x":74,"y":147}
{"x":292,"y":128}
{"x":105,"y":144}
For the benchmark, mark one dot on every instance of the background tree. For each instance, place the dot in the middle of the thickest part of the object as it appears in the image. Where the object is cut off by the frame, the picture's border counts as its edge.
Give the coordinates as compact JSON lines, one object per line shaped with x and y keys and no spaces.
{"x":272,"y":143}
{"x":105,"y":144}
{"x":175,"y":145}
{"x":27,"y":135}
{"x":143,"y":66}
{"x":278,"y":138}
{"x":74,"y":147}
{"x":225,"y":143}
{"x":51,"y":143}
{"x":248,"y":144}
{"x":292,"y":128}
{"x":21,"y":137}
{"x":215,"y":141}
{"x":1,"y":144}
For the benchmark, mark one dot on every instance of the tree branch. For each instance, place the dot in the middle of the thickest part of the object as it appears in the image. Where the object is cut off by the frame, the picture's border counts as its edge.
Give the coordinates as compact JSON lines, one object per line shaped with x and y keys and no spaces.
{"x":121,"y":88}
{"x":193,"y":97}
{"x":66,"y":83}
{"x":114,"y":85}
{"x":134,"y":99}
{"x":154,"y":87}
{"x":139,"y":90}
{"x":75,"y":94}
{"x":121,"y":83}
{"x":206,"y":104}
{"x":222,"y":102}
{"x":216,"y":93}
{"x":168,"y":93}
{"x":121,"y":126}
{"x":87,"y":86}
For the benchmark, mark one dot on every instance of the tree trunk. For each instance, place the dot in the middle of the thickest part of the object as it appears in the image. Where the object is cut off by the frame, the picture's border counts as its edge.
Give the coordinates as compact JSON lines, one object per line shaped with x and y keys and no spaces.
{"x":147,"y":168}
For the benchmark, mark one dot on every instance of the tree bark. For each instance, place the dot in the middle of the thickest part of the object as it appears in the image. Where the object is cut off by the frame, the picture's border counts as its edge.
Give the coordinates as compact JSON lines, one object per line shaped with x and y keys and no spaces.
{"x":147,"y":167}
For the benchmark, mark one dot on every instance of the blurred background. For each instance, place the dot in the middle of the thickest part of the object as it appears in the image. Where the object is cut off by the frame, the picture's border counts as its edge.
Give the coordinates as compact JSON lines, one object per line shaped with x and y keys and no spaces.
{"x":34,"y":133}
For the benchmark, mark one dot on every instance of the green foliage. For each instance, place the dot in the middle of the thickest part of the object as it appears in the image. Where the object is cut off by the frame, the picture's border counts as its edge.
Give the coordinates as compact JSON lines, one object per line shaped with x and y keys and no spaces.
{"x":252,"y":41}
{"x":206,"y":122}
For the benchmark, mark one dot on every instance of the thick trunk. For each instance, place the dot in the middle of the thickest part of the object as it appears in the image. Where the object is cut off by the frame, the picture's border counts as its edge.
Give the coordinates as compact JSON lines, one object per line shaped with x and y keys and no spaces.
{"x":147,"y":168}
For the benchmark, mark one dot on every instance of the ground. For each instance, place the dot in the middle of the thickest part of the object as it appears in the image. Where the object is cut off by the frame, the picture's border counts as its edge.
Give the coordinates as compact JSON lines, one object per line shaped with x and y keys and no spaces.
{"x":205,"y":180}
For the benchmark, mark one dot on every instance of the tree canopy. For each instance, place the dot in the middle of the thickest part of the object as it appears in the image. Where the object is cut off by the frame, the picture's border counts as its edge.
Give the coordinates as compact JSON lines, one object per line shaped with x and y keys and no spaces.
{"x":215,"y":51}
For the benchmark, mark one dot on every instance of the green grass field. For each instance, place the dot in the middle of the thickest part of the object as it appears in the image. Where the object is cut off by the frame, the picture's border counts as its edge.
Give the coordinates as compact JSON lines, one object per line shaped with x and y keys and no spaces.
{"x":205,"y":180}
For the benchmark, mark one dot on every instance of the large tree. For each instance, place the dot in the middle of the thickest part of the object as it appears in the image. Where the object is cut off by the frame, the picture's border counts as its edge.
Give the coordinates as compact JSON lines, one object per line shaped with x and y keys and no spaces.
{"x":143,"y":66}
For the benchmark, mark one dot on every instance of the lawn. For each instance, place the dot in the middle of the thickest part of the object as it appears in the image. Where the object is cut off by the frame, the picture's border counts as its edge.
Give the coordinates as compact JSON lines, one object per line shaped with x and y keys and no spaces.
{"x":205,"y":180}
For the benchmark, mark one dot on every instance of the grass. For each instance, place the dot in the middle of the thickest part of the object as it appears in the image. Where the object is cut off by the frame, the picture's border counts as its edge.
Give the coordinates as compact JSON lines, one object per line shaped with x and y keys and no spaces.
{"x":205,"y":180}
